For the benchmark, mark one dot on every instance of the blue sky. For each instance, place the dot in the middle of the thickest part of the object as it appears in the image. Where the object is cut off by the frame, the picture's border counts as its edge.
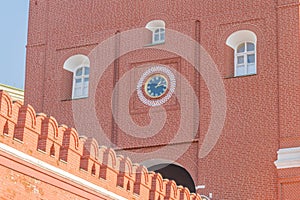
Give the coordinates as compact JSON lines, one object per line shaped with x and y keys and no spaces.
{"x":13,"y":39}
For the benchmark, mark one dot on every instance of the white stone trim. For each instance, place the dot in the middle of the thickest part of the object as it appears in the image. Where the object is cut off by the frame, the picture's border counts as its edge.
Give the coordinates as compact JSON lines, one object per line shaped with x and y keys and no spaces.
{"x":241,"y":36}
{"x":38,"y":163}
{"x":154,"y":24}
{"x":288,"y":158}
{"x":200,"y":187}
{"x":205,"y":197}
{"x":15,"y":93}
{"x":72,"y":63}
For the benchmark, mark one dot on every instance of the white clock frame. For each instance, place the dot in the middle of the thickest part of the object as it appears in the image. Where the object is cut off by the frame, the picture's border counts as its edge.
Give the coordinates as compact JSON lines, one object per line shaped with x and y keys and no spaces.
{"x":154,"y":70}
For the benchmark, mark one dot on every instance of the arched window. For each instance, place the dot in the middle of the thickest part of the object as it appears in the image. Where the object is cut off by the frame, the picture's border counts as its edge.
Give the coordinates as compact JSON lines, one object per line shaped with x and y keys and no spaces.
{"x":158,"y":31}
{"x":159,"y":35}
{"x":79,"y":66}
{"x":81,"y":82}
{"x":244,"y":44}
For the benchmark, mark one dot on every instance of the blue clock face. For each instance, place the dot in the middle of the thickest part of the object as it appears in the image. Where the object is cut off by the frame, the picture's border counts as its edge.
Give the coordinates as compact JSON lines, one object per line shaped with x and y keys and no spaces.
{"x":156,"y":86}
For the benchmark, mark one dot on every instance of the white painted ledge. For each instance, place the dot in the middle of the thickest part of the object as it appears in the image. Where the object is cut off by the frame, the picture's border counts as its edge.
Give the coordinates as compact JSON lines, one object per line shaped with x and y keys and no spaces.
{"x":59,"y":172}
{"x":15,"y":93}
{"x":288,"y":158}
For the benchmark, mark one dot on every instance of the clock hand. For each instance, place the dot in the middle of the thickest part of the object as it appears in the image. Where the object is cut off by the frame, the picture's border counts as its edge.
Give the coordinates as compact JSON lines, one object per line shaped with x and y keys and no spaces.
{"x":158,"y":84}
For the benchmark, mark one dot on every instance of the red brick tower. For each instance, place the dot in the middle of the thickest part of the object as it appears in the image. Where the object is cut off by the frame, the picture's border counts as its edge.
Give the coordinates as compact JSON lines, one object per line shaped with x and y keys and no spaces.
{"x":206,"y":90}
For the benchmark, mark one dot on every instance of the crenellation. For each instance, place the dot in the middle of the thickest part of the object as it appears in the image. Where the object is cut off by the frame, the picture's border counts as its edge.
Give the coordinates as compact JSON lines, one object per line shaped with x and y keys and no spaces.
{"x":5,"y":104}
{"x":125,"y":177}
{"x":90,"y":155}
{"x":184,"y":193}
{"x":157,"y":186}
{"x":49,"y":132}
{"x":142,"y":183}
{"x":171,"y":189}
{"x":26,"y":123}
{"x":71,"y":149}
{"x":41,"y":136}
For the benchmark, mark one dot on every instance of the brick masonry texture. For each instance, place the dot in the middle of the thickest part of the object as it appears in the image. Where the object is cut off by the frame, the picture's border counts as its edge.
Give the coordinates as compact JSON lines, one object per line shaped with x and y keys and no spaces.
{"x":262,"y":111}
{"x":40,"y":136}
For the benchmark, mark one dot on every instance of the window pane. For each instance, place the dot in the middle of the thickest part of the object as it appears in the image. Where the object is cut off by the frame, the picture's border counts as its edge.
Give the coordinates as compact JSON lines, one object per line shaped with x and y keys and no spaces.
{"x":162,"y":30}
{"x":78,"y":80}
{"x":250,"y":46}
{"x":79,"y":72}
{"x":240,"y":59}
{"x":86,"y":70}
{"x":85,"y":91}
{"x":251,"y":58}
{"x":240,"y":70}
{"x":241,"y":48}
{"x":251,"y":69}
{"x":156,"y":37}
{"x":77,"y":92}
{"x":162,"y":36}
{"x":156,"y":31}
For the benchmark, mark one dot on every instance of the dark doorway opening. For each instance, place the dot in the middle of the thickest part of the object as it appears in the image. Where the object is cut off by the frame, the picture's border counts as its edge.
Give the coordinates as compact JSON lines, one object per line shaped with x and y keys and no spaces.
{"x":176,"y":173}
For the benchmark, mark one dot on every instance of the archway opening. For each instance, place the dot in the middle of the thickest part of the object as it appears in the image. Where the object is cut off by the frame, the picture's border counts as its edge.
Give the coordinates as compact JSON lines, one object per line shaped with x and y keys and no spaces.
{"x":176,"y":173}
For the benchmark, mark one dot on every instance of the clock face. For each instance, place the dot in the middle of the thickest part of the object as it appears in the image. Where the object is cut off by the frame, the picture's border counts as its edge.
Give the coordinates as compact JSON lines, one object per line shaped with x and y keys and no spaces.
{"x":156,"y":86}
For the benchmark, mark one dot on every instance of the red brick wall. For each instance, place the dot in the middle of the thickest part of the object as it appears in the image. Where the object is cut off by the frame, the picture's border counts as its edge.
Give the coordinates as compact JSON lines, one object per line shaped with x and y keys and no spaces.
{"x":16,"y":185}
{"x":290,"y":191}
{"x":288,"y":183}
{"x":38,"y":159}
{"x":262,"y":110}
{"x":289,"y":83}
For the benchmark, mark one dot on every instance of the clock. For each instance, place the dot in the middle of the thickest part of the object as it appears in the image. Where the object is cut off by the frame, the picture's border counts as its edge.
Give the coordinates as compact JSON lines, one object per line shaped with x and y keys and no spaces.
{"x":156,"y":86}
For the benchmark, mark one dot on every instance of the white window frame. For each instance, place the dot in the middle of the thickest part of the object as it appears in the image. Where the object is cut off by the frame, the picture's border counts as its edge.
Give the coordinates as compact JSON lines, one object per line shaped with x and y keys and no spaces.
{"x":74,"y":63}
{"x":154,"y":26}
{"x":83,"y":76}
{"x":245,"y":62}
{"x":160,"y":33}
{"x":234,"y":41}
